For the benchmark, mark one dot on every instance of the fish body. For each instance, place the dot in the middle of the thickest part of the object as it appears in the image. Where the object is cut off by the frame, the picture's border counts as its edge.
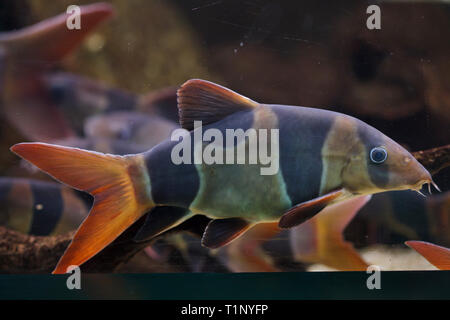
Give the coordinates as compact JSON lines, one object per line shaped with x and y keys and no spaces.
{"x":308,"y":169}
{"x":39,"y":207}
{"x":322,"y":158}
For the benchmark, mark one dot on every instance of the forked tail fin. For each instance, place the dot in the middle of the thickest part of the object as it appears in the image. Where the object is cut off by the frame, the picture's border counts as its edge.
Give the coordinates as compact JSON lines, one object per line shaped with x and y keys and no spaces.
{"x":120,"y":186}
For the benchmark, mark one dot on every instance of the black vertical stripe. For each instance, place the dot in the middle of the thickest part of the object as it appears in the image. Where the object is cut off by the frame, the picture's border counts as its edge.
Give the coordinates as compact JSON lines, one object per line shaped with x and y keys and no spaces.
{"x":302,"y":135}
{"x":177,"y":185}
{"x":5,"y":187}
{"x":371,"y":138}
{"x":171,"y":185}
{"x":48,"y":196}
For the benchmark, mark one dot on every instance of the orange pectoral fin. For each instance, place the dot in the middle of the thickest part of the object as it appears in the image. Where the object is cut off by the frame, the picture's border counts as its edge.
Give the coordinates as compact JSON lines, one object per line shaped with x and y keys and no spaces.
{"x":306,"y":210}
{"x":320,"y":239}
{"x":436,"y":255}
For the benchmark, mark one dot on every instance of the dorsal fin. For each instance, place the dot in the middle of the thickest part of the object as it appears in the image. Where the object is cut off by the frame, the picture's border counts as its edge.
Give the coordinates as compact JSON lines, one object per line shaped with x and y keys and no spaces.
{"x":200,"y":100}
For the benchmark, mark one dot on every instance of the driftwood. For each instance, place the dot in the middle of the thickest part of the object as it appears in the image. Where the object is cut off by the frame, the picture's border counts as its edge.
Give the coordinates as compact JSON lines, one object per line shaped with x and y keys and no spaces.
{"x":20,"y":253}
{"x":434,"y":159}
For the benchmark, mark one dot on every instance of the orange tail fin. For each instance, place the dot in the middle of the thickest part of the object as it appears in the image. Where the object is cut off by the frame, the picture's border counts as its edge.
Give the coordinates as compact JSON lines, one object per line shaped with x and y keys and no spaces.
{"x":320,"y":239}
{"x":120,"y":186}
{"x":436,"y":255}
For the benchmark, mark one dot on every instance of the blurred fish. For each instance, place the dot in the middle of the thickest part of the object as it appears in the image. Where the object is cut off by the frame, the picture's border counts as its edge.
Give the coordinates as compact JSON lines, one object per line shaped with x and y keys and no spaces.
{"x":397,"y":216}
{"x":39,"y":207}
{"x":388,"y":218}
{"x":137,"y":128}
{"x":80,"y":98}
{"x":318,"y":240}
{"x":436,"y":255}
{"x":46,"y":104}
{"x":121,"y":132}
{"x":184,"y":251}
{"x":246,"y":254}
{"x":339,"y":158}
{"x":28,"y":55}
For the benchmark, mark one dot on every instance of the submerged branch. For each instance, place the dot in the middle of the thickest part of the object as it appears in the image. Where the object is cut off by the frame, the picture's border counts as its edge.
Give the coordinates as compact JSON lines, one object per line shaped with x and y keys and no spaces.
{"x":21,"y":253}
{"x":434,"y":159}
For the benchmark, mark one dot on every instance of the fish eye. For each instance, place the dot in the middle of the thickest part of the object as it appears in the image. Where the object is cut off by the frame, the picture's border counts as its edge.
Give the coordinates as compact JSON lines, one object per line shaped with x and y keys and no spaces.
{"x":378,"y":155}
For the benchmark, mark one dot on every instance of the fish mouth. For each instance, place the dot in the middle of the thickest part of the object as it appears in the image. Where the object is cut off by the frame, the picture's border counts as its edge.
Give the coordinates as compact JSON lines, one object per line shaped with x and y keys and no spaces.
{"x":430,"y":183}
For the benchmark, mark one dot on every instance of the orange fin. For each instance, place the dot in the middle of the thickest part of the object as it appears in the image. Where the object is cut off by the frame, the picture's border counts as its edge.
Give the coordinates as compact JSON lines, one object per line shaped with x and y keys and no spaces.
{"x":245,"y":254}
{"x":119,"y":185}
{"x":51,"y":40}
{"x":219,"y":232}
{"x":306,"y":210}
{"x":436,"y":255}
{"x":200,"y":100}
{"x":320,"y":239}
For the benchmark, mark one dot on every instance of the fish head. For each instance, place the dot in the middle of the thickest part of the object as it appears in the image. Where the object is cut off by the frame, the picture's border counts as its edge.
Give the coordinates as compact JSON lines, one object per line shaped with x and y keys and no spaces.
{"x":375,"y":163}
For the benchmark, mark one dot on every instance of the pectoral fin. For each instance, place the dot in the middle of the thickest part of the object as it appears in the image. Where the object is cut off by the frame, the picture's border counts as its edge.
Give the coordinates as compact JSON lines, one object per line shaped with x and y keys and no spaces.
{"x":306,"y":210}
{"x":222,"y":231}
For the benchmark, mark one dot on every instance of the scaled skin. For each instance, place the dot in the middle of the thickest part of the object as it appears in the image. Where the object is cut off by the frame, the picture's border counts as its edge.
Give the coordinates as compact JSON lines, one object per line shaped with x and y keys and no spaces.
{"x":240,"y":191}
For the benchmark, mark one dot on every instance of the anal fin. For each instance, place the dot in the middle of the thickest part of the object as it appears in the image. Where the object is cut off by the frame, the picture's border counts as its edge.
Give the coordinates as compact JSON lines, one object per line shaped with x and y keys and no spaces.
{"x":219,"y":232}
{"x":306,"y":210}
{"x":160,"y":219}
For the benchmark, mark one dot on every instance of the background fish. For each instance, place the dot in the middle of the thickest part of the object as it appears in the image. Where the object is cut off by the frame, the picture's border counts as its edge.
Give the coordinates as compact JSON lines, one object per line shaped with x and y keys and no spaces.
{"x":330,"y":237}
{"x":30,"y":53}
{"x":39,"y":207}
{"x":81,"y":98}
{"x":46,"y":104}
